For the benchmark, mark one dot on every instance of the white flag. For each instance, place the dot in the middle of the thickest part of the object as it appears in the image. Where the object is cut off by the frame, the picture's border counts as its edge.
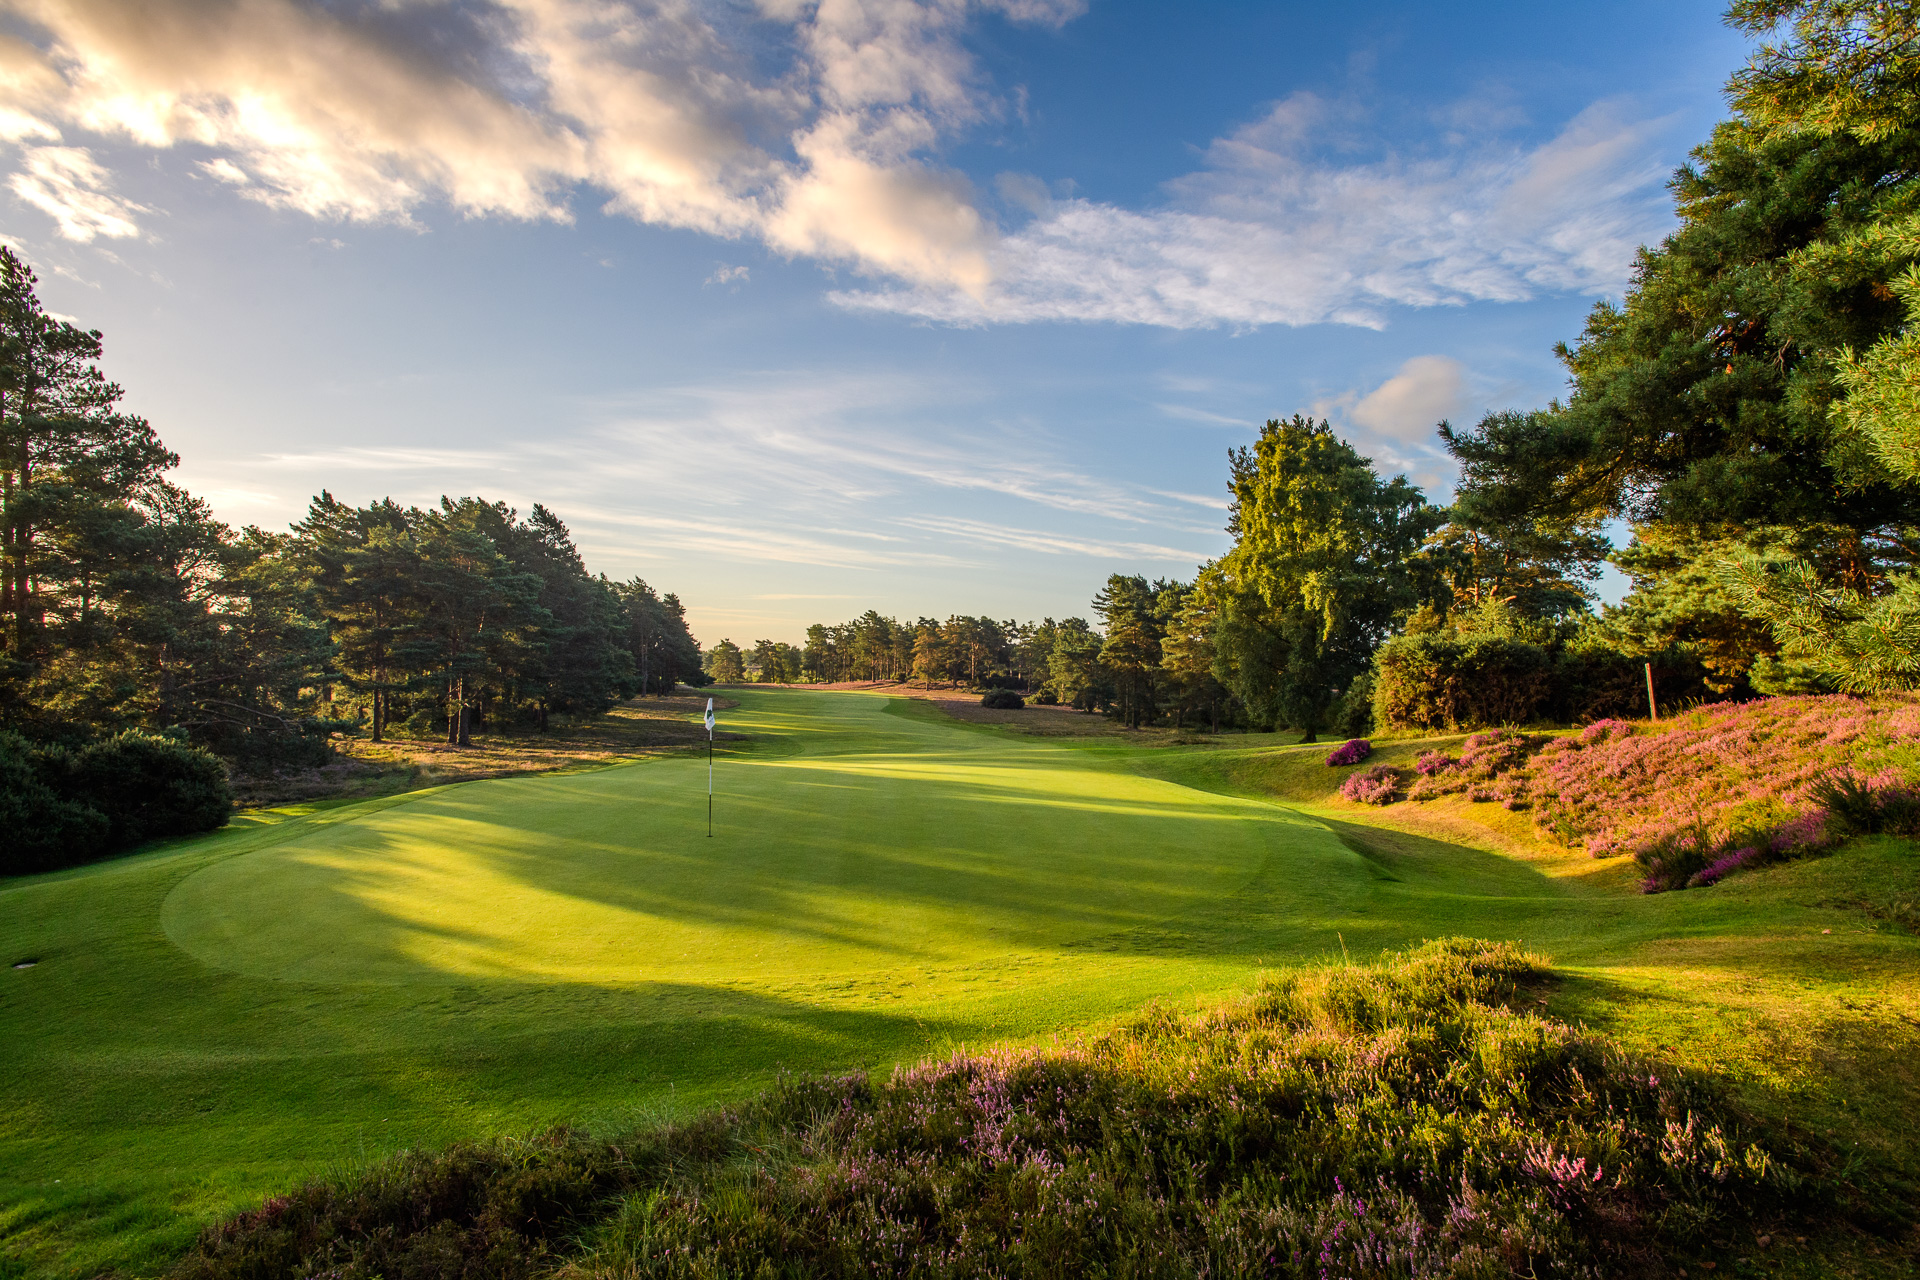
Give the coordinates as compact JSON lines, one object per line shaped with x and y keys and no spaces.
{"x":709,"y":715}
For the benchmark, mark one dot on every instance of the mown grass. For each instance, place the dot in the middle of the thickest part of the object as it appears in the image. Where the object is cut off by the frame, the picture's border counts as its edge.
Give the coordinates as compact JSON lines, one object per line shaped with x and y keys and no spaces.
{"x":326,"y":985}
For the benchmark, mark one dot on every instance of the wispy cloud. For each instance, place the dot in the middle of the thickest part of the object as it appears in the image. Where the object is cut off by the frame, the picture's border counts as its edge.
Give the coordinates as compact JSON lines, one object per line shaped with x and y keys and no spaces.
{"x":1267,"y":233}
{"x":1049,"y":543}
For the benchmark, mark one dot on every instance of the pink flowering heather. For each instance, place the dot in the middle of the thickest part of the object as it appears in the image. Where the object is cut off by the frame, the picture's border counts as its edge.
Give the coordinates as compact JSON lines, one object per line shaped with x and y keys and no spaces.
{"x":1352,"y":752}
{"x":1378,"y":785}
{"x":1725,"y":770}
{"x":1712,"y":792}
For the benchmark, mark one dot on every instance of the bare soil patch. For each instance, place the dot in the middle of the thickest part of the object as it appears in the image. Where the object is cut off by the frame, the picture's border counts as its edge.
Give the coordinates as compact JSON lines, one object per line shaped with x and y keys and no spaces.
{"x":363,"y":769}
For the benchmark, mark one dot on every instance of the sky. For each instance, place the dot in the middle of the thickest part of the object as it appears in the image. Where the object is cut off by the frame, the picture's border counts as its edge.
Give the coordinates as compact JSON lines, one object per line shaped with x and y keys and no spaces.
{"x":799,"y":308}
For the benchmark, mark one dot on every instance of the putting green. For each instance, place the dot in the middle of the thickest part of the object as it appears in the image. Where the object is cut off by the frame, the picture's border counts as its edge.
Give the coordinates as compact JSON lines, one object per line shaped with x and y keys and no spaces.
{"x":861,"y":841}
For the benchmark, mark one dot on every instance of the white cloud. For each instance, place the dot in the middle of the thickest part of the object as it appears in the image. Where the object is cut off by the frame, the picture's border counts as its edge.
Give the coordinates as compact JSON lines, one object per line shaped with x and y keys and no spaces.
{"x":1410,"y":404}
{"x":69,"y":186}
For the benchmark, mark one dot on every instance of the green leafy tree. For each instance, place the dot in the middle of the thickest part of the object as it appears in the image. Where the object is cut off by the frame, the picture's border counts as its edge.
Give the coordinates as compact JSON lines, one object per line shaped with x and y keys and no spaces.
{"x":1323,"y":564}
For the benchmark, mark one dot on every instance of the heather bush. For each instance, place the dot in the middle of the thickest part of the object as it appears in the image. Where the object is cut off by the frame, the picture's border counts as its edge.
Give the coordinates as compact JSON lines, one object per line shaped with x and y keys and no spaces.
{"x":1003,"y":700}
{"x":1349,"y":753}
{"x":1718,"y":790}
{"x":1405,"y":1120}
{"x":1378,"y":785}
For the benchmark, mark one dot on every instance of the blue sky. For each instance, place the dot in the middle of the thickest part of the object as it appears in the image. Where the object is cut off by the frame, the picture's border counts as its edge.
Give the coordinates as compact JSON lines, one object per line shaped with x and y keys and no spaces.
{"x":799,"y":308}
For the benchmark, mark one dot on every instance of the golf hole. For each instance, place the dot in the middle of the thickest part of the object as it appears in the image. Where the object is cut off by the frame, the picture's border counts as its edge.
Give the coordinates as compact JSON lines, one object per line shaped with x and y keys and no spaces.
{"x":28,"y":963}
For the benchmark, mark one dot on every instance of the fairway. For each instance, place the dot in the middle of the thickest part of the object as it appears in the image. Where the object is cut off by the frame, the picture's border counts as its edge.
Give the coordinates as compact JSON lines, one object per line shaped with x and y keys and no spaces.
{"x":313,"y":988}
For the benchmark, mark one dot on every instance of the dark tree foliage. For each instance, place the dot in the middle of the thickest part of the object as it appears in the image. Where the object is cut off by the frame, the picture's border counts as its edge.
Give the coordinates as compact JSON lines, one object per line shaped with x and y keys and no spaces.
{"x":1703,"y":399}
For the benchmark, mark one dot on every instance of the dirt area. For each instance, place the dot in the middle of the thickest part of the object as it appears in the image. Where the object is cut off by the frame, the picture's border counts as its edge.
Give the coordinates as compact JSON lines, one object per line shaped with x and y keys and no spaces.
{"x":1040,"y":721}
{"x":641,"y":727}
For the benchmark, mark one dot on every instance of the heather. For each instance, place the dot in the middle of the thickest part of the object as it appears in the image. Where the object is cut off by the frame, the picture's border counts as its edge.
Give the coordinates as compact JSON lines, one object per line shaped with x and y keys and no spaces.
{"x":1350,"y":752}
{"x":1406,"y":1120}
{"x":1714,"y":791}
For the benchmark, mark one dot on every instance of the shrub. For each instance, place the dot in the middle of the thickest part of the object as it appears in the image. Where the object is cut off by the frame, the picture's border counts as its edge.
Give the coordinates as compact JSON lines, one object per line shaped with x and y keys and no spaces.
{"x":1003,"y":700}
{"x":1868,"y":805}
{"x":60,"y":807}
{"x":1431,"y":681}
{"x":40,"y":828}
{"x":1352,"y":752}
{"x":1782,"y":777}
{"x":149,"y":786}
{"x":1378,"y":785}
{"x":1353,"y":714}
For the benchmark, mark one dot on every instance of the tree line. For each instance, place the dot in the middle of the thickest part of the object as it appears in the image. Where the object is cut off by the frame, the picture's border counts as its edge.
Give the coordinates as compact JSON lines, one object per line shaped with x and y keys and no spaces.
{"x":124,"y":605}
{"x":873,"y":648}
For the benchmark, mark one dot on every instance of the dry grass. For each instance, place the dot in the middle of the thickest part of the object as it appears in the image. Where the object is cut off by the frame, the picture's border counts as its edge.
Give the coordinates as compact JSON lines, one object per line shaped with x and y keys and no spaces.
{"x":644,"y":726}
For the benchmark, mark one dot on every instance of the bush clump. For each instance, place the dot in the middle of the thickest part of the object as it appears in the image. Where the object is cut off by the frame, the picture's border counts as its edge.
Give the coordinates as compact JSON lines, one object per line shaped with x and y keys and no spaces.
{"x":1350,"y":752}
{"x":60,"y":807}
{"x":1433,"y":681}
{"x":1400,"y":1120}
{"x":1003,"y":700}
{"x":1378,"y":785}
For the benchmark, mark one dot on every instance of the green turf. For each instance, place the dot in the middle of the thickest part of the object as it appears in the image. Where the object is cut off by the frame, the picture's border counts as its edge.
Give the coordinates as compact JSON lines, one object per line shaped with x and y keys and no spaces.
{"x":315,"y":987}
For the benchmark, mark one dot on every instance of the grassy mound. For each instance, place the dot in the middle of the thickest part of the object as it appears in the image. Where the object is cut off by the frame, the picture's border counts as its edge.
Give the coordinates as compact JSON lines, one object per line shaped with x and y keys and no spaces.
{"x":1404,"y":1120}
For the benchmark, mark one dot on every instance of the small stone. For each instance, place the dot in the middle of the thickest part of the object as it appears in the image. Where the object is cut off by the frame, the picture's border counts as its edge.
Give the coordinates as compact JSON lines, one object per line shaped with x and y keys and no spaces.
{"x":1765,"y":1241}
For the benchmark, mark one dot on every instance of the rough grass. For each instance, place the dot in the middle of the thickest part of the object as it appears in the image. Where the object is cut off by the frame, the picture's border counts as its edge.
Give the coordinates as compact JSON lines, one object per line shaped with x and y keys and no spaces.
{"x":1412,"y":1119}
{"x":366,"y":769}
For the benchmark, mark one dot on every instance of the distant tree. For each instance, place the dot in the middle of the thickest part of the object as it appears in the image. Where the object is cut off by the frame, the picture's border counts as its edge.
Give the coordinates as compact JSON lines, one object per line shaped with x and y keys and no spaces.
{"x":1075,"y":673}
{"x":1189,"y":651}
{"x":726,"y":664}
{"x":1131,"y":652}
{"x":929,"y":654}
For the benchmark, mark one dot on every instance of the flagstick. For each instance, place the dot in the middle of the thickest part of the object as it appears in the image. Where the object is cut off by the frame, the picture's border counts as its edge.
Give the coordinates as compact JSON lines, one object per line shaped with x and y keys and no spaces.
{"x":709,"y":784}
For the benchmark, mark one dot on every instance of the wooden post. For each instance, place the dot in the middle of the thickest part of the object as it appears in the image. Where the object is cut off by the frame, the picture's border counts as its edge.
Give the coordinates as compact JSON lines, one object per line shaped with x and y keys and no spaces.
{"x":1653,"y":712}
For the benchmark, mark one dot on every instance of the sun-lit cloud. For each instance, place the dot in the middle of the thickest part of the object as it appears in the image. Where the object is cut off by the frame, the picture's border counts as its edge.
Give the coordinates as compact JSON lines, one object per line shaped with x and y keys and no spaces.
{"x":1270,"y":233}
{"x":1411,"y":404}
{"x":811,"y":126}
{"x":365,"y":112}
